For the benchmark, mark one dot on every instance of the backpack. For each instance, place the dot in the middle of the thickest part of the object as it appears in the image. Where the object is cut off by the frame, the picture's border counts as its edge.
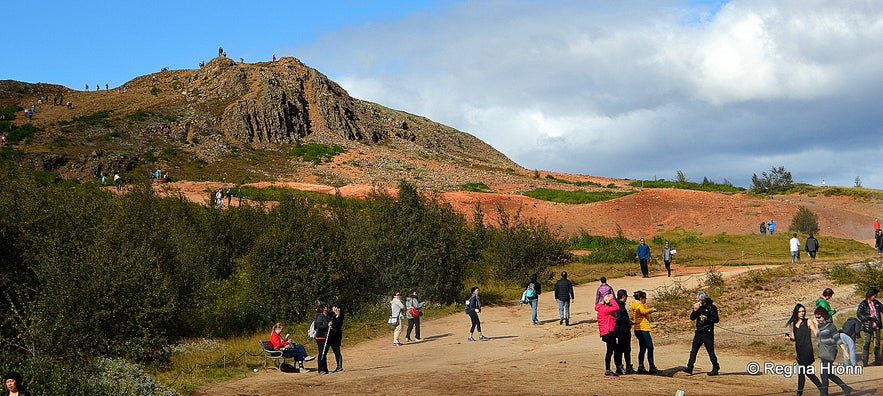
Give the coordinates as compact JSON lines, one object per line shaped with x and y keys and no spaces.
{"x":288,"y":368}
{"x":530,"y":292}
{"x":312,"y":331}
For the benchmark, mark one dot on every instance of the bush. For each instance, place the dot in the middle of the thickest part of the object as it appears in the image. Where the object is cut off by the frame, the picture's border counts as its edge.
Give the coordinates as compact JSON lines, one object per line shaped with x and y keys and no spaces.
{"x":316,"y":153}
{"x":574,"y":197}
{"x":804,"y":221}
{"x":777,"y":181}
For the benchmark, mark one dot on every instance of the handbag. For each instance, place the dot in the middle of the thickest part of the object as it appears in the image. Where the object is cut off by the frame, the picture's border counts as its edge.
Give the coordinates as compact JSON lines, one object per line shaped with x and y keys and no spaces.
{"x":393,"y":320}
{"x":413,"y":312}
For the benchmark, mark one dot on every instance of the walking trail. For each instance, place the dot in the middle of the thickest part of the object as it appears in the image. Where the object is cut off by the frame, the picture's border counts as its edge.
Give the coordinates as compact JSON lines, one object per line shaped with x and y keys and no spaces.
{"x":521,"y":358}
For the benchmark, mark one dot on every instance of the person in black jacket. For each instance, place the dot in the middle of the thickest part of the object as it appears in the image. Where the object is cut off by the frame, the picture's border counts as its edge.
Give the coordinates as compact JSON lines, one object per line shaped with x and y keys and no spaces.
{"x":322,"y":334}
{"x":812,"y":247}
{"x":532,"y":292}
{"x":335,"y":335}
{"x":705,"y":315}
{"x":14,"y":385}
{"x":868,"y":313}
{"x":564,"y":294}
{"x":623,"y":332}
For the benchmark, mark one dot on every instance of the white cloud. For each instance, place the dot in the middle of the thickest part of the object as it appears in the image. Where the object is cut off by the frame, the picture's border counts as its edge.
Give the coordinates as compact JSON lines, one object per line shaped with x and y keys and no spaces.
{"x":637,"y":89}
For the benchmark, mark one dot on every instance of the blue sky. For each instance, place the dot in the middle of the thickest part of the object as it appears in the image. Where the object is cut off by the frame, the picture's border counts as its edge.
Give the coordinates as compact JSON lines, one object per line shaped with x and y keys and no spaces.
{"x":631,"y":89}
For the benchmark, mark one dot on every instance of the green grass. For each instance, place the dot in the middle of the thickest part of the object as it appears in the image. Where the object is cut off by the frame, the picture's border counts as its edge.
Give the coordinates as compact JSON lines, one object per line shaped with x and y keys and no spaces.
{"x":475,"y":187}
{"x":315,"y":152}
{"x":575,"y":183}
{"x":854,"y":192}
{"x":710,"y":186}
{"x":573,"y":197}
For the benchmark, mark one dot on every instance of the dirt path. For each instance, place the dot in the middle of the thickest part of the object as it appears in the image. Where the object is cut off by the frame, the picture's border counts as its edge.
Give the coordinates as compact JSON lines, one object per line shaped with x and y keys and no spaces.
{"x":521,"y":358}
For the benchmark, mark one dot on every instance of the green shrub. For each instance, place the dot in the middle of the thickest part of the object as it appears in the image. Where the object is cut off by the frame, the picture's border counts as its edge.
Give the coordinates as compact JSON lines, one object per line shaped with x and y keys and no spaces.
{"x":155,"y":91}
{"x":19,"y":133}
{"x":804,"y":221}
{"x":842,"y":274}
{"x":707,"y":185}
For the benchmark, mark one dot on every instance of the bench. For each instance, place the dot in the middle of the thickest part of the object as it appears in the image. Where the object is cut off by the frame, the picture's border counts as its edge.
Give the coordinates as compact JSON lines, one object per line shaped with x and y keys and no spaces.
{"x":271,"y":353}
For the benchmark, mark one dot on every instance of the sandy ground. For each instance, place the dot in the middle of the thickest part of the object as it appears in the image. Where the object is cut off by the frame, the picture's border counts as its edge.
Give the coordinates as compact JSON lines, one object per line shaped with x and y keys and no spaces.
{"x":521,"y":358}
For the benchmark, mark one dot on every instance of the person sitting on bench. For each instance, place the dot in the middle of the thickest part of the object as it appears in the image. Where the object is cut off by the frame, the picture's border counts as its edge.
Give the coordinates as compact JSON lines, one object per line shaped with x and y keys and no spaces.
{"x":289,"y":348}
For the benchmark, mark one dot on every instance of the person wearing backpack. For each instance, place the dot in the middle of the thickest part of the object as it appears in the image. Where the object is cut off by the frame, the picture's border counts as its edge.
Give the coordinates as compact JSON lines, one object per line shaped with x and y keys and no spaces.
{"x":532,"y":294}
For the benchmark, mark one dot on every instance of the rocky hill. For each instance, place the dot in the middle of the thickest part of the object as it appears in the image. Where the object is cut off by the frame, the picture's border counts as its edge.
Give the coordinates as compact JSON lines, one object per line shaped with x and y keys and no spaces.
{"x":238,"y":122}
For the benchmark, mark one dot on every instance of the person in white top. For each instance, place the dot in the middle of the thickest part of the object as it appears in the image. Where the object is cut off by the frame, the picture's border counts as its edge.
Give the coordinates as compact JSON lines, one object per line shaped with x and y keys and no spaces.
{"x":795,"y":248}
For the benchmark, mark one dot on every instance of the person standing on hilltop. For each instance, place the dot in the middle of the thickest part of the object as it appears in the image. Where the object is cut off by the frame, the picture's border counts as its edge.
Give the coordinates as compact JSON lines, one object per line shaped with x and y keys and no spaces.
{"x":642,"y":253}
{"x":563,"y":295}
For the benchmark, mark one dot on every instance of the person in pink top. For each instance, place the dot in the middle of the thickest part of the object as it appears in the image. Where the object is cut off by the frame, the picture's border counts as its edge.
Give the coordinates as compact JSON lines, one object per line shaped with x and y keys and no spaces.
{"x":606,"y":325}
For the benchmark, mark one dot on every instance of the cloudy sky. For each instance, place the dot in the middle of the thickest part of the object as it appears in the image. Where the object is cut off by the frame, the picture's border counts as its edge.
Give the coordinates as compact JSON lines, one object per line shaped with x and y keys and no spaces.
{"x":630,"y":89}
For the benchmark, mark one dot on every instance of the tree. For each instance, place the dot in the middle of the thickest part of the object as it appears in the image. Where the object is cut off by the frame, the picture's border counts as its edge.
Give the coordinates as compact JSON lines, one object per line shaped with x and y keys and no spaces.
{"x":858,"y":182}
{"x":681,"y":177}
{"x":804,"y":221}
{"x":777,"y":181}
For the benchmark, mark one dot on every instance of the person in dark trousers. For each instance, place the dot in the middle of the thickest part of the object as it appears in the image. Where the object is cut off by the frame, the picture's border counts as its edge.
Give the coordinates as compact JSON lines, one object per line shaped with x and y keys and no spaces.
{"x":705,"y":315}
{"x":607,"y":310}
{"x":800,"y":331}
{"x":564,"y":295}
{"x":412,"y":303}
{"x":322,"y":334}
{"x":532,"y":292}
{"x":623,"y":333}
{"x":642,"y":253}
{"x":828,"y":336}
{"x":335,"y":335}
{"x":811,"y":247}
{"x":868,"y":313}
{"x":473,"y":308}
{"x":667,"y":253}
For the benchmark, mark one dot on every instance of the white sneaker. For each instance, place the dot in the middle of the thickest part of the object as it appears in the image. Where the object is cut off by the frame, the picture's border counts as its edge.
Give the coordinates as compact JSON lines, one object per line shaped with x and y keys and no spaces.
{"x":308,"y":358}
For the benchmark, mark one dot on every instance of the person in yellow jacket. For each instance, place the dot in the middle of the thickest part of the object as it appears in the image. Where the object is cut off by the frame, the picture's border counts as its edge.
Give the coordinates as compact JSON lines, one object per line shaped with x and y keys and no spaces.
{"x":641,"y":315}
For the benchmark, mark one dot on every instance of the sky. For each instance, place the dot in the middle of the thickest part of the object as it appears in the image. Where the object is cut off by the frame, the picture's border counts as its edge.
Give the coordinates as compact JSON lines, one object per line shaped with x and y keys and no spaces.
{"x":627,"y":89}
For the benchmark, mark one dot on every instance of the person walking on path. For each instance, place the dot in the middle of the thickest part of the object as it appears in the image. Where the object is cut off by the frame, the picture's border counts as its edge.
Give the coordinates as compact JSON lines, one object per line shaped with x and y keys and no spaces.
{"x":823,"y":301}
{"x":564,"y":295}
{"x":397,"y":309}
{"x":623,"y":332}
{"x":705,"y":315}
{"x":603,"y":290}
{"x":532,"y":292}
{"x":642,"y":253}
{"x":828,"y":337}
{"x":771,"y":226}
{"x":868,"y":313}
{"x":812,"y":247}
{"x":642,"y":332}
{"x":667,"y":253}
{"x":473,"y":308}
{"x":607,"y":309}
{"x":335,"y":335}
{"x":322,"y":325}
{"x":800,"y":332}
{"x":412,"y":307}
{"x":794,"y":244}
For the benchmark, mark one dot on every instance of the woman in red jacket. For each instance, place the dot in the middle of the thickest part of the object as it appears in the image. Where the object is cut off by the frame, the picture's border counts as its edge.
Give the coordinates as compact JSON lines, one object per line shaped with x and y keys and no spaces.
{"x":606,"y":326}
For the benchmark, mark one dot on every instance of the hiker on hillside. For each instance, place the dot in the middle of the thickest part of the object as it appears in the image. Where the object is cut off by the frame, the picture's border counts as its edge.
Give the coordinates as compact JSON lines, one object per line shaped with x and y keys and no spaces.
{"x":563,"y":295}
{"x":623,"y":333}
{"x":642,"y":253}
{"x":868,"y":313}
{"x":118,"y":180}
{"x":397,"y":309}
{"x":771,"y":226}
{"x":229,"y":194}
{"x":705,"y":315}
{"x":763,"y":228}
{"x":812,"y":247}
{"x":473,"y":308}
{"x":642,"y":331}
{"x":800,"y":332}
{"x":603,"y":290}
{"x":607,"y":309}
{"x":532,"y":292}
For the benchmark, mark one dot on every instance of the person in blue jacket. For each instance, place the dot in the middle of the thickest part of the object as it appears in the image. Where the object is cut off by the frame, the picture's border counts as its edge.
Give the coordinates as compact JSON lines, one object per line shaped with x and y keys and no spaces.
{"x":643,"y":254}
